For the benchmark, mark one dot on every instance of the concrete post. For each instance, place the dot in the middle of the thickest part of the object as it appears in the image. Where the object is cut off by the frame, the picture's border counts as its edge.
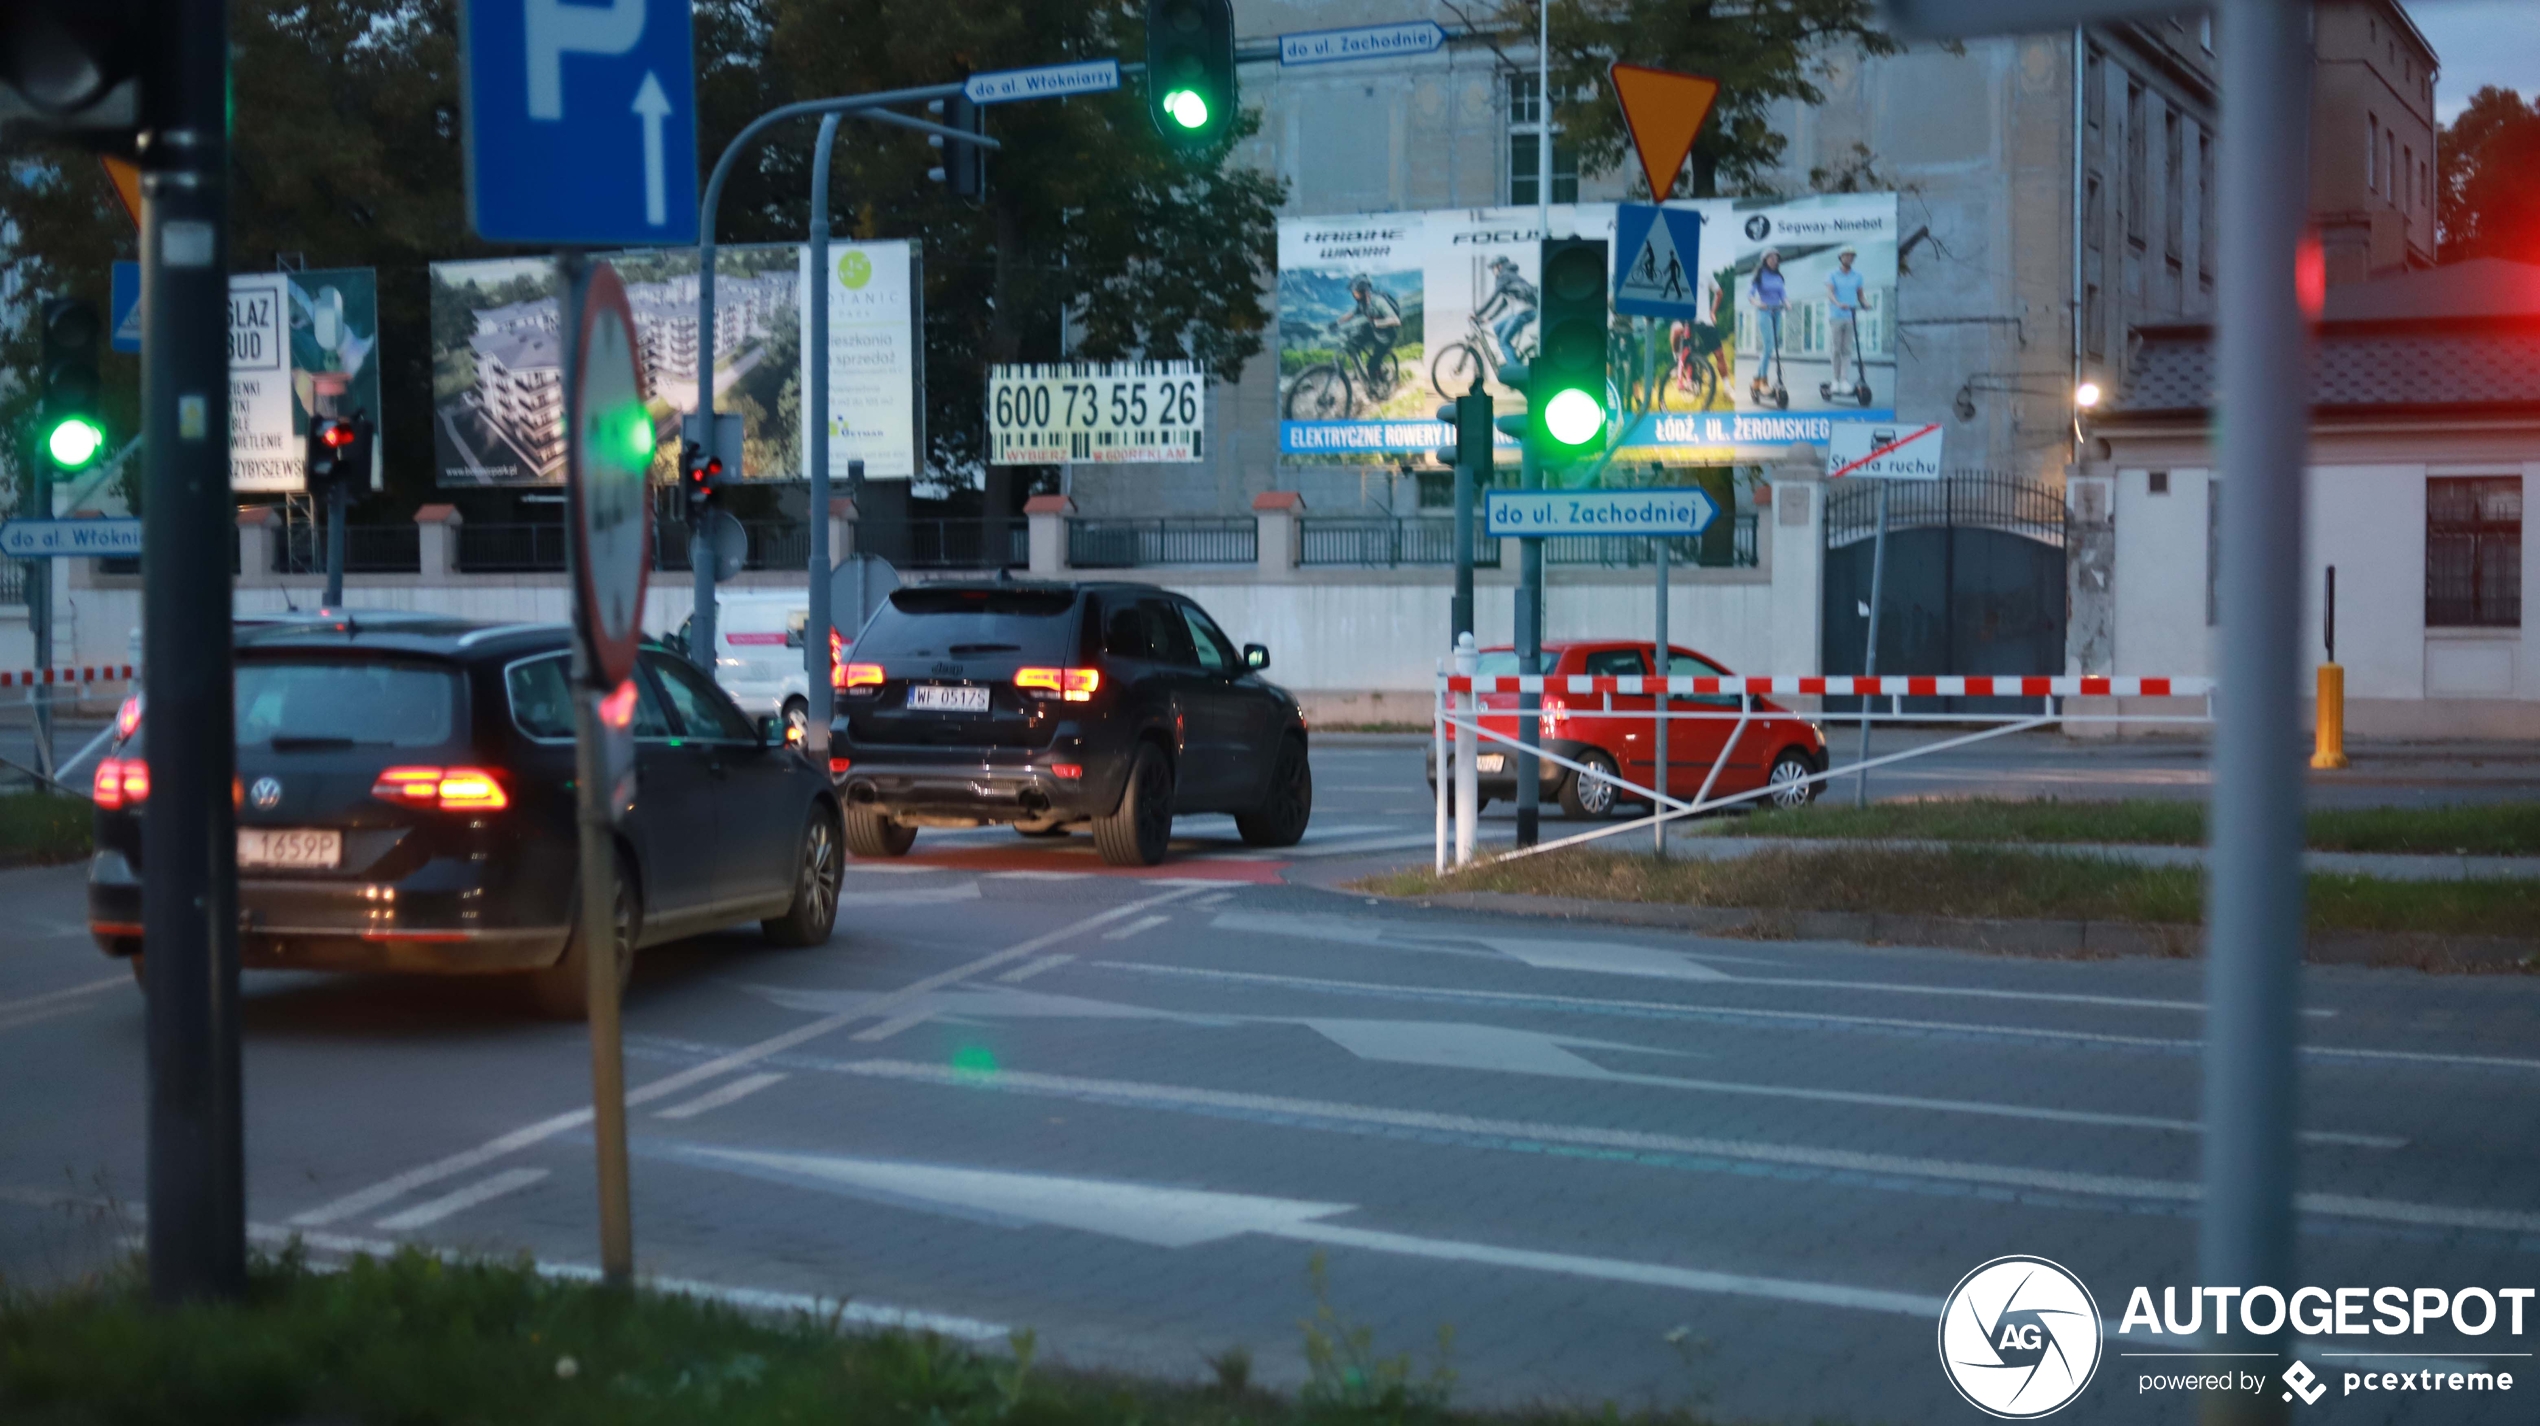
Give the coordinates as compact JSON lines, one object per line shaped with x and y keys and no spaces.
{"x":437,"y":542}
{"x":1276,"y":514}
{"x":842,"y":520}
{"x":255,"y":545}
{"x":1045,"y":527}
{"x":1797,"y":530}
{"x":2090,"y":568}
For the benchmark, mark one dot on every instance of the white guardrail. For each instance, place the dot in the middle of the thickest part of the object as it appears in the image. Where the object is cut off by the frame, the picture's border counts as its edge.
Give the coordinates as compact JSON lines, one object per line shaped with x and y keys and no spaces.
{"x":1458,"y":730}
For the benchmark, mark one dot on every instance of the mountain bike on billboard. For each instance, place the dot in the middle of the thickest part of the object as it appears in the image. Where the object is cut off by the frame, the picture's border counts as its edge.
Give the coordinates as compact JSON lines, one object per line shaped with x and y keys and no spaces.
{"x":1335,"y":390}
{"x":1452,"y":370}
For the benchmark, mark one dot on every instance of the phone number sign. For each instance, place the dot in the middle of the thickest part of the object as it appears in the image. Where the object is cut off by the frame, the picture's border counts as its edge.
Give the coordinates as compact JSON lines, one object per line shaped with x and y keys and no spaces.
{"x":1123,"y":411}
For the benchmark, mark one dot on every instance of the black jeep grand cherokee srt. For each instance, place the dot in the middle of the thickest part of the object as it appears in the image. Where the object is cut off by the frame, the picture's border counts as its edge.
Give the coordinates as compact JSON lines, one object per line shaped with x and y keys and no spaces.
{"x":1045,"y":705}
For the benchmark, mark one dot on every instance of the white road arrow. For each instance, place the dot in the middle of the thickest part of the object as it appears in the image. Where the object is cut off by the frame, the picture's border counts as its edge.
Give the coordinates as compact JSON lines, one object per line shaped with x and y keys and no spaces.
{"x":654,"y":106}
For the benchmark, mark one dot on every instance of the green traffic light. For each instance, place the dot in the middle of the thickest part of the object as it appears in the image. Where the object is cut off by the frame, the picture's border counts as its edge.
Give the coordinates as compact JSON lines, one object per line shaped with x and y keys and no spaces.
{"x":641,"y":439}
{"x":1573,"y":416}
{"x":1187,"y":108}
{"x":74,"y":442}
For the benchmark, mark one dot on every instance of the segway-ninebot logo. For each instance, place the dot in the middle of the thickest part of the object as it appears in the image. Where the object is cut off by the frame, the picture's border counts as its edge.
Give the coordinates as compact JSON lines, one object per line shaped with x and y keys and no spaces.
{"x":1757,"y":227}
{"x":2019,"y":1337}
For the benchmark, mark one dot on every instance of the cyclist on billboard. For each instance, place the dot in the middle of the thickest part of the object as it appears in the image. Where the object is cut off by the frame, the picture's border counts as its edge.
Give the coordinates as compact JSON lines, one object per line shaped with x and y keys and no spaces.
{"x":1510,"y":306}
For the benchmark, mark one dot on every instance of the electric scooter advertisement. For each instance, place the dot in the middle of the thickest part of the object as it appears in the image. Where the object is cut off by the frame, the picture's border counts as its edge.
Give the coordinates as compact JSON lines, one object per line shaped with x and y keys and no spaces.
{"x":1383,"y":316}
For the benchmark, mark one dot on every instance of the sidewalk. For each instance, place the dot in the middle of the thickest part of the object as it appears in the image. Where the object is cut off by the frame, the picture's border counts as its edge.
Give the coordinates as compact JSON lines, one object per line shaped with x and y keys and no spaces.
{"x":2389,"y":866}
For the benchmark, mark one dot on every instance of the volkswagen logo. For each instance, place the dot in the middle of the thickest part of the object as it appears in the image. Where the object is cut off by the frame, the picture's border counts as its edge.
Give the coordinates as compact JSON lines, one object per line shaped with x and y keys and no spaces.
{"x":2019,"y":1337}
{"x":1757,"y":227}
{"x":266,"y":794}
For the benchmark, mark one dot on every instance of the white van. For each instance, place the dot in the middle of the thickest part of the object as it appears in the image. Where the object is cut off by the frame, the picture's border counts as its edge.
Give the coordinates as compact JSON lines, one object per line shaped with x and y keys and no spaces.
{"x":758,"y":655}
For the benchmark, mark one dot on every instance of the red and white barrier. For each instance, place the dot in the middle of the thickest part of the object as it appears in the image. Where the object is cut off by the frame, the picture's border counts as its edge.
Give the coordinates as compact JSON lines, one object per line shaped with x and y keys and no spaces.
{"x":37,"y":677}
{"x":1901,"y":685}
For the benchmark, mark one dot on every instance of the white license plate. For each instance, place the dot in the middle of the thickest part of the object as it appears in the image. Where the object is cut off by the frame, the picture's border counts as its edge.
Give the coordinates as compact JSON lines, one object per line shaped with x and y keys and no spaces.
{"x":1490,"y":762}
{"x":299,"y":847}
{"x":947,"y":698}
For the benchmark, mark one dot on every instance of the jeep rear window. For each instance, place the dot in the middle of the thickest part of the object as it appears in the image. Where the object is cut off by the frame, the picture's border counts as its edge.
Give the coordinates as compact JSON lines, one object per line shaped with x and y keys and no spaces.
{"x":344,"y":703}
{"x":957,"y":623}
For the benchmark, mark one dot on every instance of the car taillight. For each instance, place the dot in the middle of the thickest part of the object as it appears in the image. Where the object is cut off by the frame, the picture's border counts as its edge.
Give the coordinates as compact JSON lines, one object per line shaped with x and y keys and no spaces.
{"x":121,"y":782}
{"x":1070,"y":771}
{"x":1075,"y":685}
{"x":852,"y":676}
{"x":452,"y":789}
{"x":128,"y":717}
{"x":838,"y":767}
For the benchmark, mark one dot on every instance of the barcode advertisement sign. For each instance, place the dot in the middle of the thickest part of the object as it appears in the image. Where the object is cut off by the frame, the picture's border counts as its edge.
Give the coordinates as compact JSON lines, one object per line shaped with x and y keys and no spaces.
{"x":1049,"y":413}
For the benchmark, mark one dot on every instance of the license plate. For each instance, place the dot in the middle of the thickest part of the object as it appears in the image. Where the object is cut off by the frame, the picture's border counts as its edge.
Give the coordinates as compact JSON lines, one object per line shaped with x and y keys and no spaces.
{"x":947,"y":698}
{"x":303,"y":848}
{"x":1491,"y":762}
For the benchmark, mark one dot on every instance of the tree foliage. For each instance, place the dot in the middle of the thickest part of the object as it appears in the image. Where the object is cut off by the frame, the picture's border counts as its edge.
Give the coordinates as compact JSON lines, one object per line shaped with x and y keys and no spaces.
{"x":1761,"y":51}
{"x":347,"y":154}
{"x":2486,"y":205}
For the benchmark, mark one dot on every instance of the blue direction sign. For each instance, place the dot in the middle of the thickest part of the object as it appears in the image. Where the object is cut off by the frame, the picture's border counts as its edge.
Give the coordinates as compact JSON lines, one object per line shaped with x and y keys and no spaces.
{"x":1658,"y":262}
{"x":581,"y":122}
{"x":1362,"y":42}
{"x":1048,"y":81}
{"x":1675,"y":510}
{"x":123,"y":307}
{"x":90,"y":538}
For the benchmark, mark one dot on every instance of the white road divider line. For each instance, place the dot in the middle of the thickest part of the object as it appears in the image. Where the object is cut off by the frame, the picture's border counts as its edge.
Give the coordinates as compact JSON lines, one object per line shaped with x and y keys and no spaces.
{"x":424,"y":1215}
{"x":1143,"y":923}
{"x":893,"y":1026}
{"x":56,"y":997}
{"x":717,"y":1098}
{"x":1022,"y":973}
{"x":1038,"y":875}
{"x":1742,"y":1150}
{"x":363,"y":1200}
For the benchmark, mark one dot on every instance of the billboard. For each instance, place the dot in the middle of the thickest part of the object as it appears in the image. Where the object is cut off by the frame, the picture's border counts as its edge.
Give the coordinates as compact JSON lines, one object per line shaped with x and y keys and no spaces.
{"x":498,"y":360}
{"x":299,"y":342}
{"x":1383,"y":316}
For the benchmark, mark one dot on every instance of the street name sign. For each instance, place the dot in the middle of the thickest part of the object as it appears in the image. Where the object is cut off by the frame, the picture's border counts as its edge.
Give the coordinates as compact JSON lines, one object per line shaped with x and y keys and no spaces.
{"x":1106,"y":412}
{"x":1676,"y":510}
{"x":1658,"y":268}
{"x":1362,"y":42}
{"x":71,"y":539}
{"x":1048,"y":81}
{"x":580,"y":122}
{"x":1884,"y":450}
{"x":608,"y":460}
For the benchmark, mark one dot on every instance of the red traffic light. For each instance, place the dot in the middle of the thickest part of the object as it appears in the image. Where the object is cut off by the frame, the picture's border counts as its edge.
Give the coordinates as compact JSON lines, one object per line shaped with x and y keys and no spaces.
{"x":338,"y":434}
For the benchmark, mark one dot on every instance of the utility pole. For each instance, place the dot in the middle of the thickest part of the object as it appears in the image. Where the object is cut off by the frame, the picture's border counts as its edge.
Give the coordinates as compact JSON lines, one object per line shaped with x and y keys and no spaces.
{"x":197,"y":1230}
{"x":817,"y":692}
{"x":1530,"y":661}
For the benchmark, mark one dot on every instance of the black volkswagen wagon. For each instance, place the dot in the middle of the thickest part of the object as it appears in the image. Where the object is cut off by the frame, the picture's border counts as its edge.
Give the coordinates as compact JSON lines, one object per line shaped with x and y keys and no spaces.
{"x":405,"y":803}
{"x":1047,"y":706}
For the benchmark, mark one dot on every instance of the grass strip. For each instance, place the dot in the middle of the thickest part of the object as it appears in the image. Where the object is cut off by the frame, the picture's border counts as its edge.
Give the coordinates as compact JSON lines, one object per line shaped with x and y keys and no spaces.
{"x":1977,"y":882}
{"x":2505,"y":829}
{"x":418,"y":1341}
{"x":43,"y":827}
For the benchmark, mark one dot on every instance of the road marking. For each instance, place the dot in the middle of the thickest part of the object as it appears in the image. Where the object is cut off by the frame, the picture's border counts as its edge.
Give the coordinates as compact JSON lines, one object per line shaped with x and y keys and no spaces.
{"x":1143,"y":923}
{"x":1038,"y":875}
{"x":914,"y":896}
{"x":875,"y":869}
{"x":56,"y":997}
{"x":1679,"y":1008}
{"x":397,"y":1186}
{"x":1023,"y":973}
{"x":1844,"y":1161}
{"x":423,"y":1215}
{"x":888,"y":1028}
{"x":1184,"y":1217}
{"x":717,"y":1098}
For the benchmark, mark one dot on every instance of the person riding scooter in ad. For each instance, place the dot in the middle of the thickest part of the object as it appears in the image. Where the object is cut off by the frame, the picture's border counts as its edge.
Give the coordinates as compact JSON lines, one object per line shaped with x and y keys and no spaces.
{"x":1771,"y":296}
{"x":1847,"y":298}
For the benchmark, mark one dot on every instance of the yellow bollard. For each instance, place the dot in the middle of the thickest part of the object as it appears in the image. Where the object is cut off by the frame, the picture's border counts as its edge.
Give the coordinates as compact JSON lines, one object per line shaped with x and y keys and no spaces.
{"x":2329,"y":746}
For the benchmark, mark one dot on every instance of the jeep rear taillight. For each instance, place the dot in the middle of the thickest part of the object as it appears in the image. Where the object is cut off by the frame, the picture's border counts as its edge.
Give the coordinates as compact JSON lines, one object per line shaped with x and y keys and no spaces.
{"x":121,"y":782}
{"x":1074,"y":685}
{"x":852,"y":676}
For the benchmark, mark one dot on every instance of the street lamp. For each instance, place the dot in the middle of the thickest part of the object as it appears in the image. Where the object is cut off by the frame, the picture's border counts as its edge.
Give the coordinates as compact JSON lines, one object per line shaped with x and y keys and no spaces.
{"x":2086,"y":396}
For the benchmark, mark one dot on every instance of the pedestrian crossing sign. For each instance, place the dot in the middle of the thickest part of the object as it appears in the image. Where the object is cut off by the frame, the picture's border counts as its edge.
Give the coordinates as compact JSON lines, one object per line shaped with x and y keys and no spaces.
{"x":1658,"y":262}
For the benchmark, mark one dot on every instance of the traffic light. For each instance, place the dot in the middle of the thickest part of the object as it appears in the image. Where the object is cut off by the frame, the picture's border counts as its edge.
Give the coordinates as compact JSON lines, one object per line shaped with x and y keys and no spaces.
{"x":1191,"y":69}
{"x":1567,"y":397}
{"x":964,"y":170}
{"x":73,"y":67}
{"x":1469,"y":418}
{"x":74,"y":434}
{"x":329,"y":454}
{"x":700,"y":480}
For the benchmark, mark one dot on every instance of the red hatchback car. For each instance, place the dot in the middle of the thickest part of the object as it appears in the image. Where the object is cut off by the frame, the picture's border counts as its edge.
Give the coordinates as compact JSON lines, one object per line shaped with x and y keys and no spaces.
{"x":1778,"y":750}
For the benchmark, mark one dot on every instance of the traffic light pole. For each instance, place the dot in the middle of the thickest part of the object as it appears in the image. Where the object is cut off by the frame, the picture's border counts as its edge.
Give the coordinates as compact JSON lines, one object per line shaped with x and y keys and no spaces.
{"x":39,"y":618}
{"x":336,"y":499}
{"x":197,"y":1228}
{"x":817,"y":688}
{"x":863,"y":106}
{"x":1530,"y":660}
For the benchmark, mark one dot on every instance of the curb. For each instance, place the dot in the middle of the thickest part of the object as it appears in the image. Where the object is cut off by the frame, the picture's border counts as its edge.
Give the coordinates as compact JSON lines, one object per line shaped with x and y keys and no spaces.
{"x":2046,"y":939}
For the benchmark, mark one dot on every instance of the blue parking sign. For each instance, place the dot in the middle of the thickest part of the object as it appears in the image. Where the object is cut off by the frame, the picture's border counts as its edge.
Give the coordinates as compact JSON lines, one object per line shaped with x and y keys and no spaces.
{"x":581,"y":122}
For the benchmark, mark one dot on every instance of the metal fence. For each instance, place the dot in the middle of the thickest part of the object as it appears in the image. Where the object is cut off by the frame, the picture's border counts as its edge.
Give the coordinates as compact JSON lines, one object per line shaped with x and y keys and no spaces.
{"x":519,"y":548}
{"x":368,"y":549}
{"x":13,"y":580}
{"x":1387,"y":540}
{"x":1988,"y":500}
{"x":972,"y":542}
{"x":772,"y":544}
{"x":1123,"y":544}
{"x":1635,"y":551}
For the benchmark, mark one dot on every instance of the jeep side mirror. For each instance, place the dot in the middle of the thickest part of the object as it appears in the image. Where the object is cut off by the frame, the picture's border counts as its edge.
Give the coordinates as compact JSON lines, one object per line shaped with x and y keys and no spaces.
{"x":1256,"y":657}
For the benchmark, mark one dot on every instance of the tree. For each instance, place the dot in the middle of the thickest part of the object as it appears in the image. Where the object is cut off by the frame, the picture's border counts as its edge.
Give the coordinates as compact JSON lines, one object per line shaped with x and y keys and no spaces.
{"x":1761,"y":51}
{"x":2485,"y":203}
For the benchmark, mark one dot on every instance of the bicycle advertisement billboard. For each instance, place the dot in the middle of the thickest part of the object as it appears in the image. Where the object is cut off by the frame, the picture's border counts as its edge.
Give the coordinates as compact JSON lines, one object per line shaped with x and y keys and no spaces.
{"x":1382,"y":316}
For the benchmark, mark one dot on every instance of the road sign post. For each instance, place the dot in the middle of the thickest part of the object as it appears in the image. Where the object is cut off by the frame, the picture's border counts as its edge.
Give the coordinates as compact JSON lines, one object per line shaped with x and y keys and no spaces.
{"x":609,"y":444}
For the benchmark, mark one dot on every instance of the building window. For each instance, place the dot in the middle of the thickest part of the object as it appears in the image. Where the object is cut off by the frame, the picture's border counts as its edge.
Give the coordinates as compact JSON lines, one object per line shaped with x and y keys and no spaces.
{"x":2159,"y":481}
{"x":2372,"y":152}
{"x":2094,"y":88}
{"x":2205,"y":225}
{"x":2205,"y":32}
{"x":2473,"y":552}
{"x":1525,"y":129}
{"x":2138,"y":159}
{"x":2173,"y":183}
{"x":2090,"y":322}
{"x":2408,"y":173}
{"x":2094,"y":211}
{"x":2390,"y":163}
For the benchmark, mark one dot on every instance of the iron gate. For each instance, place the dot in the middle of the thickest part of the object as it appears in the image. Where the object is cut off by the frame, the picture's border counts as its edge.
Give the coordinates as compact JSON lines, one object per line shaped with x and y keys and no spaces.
{"x":1975,"y":581}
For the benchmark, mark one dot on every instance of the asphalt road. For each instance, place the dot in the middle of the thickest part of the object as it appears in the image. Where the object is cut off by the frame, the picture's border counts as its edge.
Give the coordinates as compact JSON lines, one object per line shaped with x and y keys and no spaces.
{"x":1128,"y":1111}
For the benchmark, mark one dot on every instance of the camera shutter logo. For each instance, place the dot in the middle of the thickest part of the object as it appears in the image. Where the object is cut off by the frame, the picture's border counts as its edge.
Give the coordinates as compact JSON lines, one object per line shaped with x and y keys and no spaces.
{"x":266,"y":794}
{"x":2019,"y":1337}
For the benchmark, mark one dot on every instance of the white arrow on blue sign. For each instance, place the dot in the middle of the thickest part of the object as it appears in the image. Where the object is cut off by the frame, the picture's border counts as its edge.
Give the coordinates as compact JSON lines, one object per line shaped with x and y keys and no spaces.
{"x":1362,"y":42}
{"x":581,"y":122}
{"x":1676,"y":510}
{"x":1048,"y":81}
{"x":1658,"y":262}
{"x":70,"y":539}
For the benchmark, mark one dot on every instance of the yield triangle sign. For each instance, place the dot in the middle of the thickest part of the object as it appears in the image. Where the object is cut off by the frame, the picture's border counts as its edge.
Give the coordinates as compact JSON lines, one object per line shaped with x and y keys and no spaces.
{"x":1665,"y":110}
